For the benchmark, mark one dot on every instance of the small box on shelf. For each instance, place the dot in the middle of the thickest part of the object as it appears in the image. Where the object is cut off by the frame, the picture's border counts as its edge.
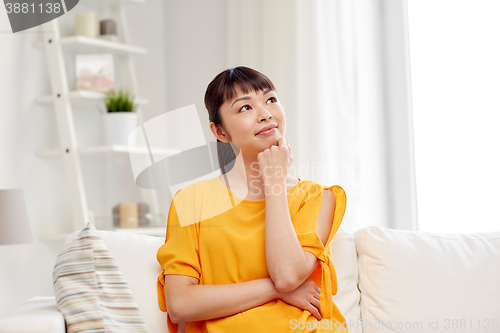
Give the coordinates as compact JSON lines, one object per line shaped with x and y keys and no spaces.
{"x":131,"y":215}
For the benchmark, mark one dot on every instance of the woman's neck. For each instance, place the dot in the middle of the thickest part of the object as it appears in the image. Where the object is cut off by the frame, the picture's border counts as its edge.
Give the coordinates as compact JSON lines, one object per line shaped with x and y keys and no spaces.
{"x":245,"y":172}
{"x":245,"y":177}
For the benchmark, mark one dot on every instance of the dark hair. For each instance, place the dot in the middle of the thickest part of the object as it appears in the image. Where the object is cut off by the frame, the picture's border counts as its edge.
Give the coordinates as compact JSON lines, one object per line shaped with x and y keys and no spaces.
{"x":222,"y":89}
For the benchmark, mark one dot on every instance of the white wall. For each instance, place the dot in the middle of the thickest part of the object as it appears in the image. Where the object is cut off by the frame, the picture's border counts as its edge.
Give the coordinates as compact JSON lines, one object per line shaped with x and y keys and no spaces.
{"x":187,"y":49}
{"x":177,"y":35}
{"x":26,"y":270}
{"x":195,"y":53}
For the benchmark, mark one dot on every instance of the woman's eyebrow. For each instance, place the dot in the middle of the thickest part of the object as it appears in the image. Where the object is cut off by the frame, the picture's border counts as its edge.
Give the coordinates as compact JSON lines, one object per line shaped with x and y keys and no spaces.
{"x":247,"y":97}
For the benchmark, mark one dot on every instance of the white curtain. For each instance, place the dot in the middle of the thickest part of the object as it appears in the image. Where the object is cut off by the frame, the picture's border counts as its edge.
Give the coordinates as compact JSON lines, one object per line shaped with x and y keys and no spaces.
{"x":310,"y":50}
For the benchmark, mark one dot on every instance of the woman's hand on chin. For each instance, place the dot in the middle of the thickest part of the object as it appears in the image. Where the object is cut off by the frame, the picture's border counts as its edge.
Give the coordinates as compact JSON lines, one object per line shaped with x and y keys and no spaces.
{"x":275,"y":163}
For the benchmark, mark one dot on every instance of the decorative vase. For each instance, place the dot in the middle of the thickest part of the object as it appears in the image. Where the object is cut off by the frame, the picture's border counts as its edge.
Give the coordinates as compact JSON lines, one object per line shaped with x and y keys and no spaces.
{"x":108,"y":30}
{"x":118,"y":127}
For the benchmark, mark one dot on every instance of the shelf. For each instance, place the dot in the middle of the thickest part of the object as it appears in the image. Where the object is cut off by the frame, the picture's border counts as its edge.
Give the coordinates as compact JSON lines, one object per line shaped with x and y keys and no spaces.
{"x":98,"y":3}
{"x":149,"y":231}
{"x":111,"y":149}
{"x":83,"y":97}
{"x":88,"y":45}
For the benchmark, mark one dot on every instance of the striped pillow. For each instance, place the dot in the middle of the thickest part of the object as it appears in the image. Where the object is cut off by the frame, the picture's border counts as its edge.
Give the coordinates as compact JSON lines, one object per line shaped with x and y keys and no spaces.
{"x":90,"y":290}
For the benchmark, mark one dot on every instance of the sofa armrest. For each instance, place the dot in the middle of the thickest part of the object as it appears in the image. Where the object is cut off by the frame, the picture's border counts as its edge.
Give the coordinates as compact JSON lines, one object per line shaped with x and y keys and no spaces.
{"x":38,"y":314}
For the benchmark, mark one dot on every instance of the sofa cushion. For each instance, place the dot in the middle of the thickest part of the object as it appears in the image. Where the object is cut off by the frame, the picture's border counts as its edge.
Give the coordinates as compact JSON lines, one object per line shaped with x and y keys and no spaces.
{"x":90,"y":290}
{"x":428,"y":282}
{"x":38,"y":314}
{"x":345,"y":260}
{"x":136,"y":256}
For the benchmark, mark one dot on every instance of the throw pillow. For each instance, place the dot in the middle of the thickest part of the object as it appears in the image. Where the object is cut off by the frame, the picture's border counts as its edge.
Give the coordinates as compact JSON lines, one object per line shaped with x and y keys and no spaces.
{"x":416,"y":281}
{"x":90,"y":290}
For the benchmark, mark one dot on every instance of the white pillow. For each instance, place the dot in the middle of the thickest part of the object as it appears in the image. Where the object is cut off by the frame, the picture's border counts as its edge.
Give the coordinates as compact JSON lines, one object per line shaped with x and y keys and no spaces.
{"x":428,"y":282}
{"x":345,"y":261}
{"x":90,"y":290}
{"x":136,"y":256}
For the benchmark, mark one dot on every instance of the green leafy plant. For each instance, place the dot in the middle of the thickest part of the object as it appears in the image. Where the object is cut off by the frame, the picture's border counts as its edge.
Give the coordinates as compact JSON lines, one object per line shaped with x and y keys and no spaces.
{"x":119,"y":101}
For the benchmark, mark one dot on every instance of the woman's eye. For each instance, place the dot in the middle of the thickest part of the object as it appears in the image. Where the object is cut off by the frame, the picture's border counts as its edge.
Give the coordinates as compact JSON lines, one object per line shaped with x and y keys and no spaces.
{"x":247,"y":106}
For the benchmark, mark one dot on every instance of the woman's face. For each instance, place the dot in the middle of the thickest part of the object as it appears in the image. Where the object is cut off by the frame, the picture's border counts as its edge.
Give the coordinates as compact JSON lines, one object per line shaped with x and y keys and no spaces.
{"x":245,"y":115}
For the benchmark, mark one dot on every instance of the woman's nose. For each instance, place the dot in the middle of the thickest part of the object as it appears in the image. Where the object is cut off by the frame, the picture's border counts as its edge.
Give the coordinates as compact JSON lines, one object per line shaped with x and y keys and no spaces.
{"x":264,"y":114}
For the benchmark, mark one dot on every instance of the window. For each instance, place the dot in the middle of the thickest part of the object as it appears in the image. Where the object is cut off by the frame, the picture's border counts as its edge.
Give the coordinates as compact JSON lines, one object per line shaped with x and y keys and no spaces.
{"x":455,"y":74}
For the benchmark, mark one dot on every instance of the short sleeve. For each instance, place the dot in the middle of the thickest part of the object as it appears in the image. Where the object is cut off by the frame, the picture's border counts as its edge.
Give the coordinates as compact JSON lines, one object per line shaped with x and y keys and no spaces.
{"x":306,"y":220}
{"x":180,"y":252}
{"x":305,"y":224}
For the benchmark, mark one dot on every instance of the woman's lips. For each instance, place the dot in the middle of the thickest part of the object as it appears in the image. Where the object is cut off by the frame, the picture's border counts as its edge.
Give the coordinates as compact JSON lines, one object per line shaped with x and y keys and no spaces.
{"x":269,"y":131}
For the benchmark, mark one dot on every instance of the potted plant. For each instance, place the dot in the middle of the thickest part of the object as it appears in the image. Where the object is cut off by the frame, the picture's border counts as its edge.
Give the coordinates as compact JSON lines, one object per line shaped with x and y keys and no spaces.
{"x":120,"y":120}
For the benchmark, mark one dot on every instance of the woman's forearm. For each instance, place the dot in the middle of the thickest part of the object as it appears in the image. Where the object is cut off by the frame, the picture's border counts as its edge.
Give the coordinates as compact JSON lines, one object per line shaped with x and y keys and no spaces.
{"x":203,"y":302}
{"x":284,"y":254}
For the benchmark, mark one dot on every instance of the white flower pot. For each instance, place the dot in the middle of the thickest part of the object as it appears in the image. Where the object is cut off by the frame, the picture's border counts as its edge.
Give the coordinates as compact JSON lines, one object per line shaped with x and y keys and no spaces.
{"x":118,"y":126}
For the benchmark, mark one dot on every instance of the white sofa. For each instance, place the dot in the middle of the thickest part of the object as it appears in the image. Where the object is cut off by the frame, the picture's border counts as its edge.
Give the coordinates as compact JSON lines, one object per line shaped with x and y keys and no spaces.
{"x":388,"y":281}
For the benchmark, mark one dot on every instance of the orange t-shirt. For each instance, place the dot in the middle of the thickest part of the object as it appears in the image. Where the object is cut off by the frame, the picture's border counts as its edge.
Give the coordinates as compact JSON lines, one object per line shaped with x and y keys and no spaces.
{"x":218,"y":238}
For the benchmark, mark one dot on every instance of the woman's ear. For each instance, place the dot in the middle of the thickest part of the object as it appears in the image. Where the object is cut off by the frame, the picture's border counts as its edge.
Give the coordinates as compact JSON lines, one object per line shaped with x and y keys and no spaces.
{"x":219,"y":132}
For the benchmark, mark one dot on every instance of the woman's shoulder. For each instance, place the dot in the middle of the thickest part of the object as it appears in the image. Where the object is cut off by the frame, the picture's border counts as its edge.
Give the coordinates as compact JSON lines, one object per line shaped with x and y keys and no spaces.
{"x":197,"y":202}
{"x":195,"y":188}
{"x":311,"y":188}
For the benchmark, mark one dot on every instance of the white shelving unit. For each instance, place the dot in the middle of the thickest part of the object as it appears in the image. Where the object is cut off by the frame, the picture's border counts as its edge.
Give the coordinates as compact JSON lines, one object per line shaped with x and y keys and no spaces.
{"x":109,"y":149}
{"x":88,"y":45}
{"x":83,"y":96}
{"x":151,"y":231}
{"x":63,"y":100}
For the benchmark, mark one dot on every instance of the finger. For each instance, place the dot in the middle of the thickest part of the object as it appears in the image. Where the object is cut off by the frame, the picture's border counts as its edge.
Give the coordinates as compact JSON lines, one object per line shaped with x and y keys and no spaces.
{"x":315,"y":313}
{"x":315,"y":301}
{"x":317,"y":305}
{"x":281,"y":141}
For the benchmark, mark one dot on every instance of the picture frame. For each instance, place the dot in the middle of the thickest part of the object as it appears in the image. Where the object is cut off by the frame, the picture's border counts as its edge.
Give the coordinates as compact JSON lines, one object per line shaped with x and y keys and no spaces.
{"x":95,"y":72}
